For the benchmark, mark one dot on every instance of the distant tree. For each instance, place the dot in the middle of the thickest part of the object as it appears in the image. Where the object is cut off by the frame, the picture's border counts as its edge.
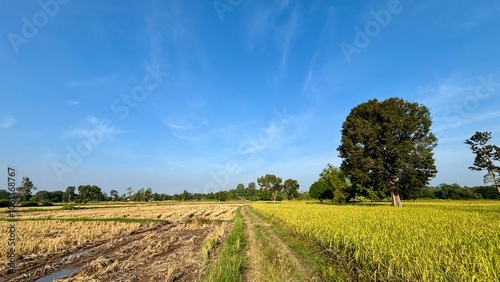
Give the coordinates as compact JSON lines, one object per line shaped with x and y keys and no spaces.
{"x":129,"y":192}
{"x":139,"y":195}
{"x":304,"y":196}
{"x":263,"y":194}
{"x":240,"y":191}
{"x":320,"y":190}
{"x":337,"y":180}
{"x":272,"y":183}
{"x":487,"y":192}
{"x":291,"y":188}
{"x":4,"y":194}
{"x":185,"y":196}
{"x":148,"y":193}
{"x":221,"y":196}
{"x":89,"y":192}
{"x":23,"y":192}
{"x":40,"y":196}
{"x":156,"y":197}
{"x":388,"y":146}
{"x":70,"y":191}
{"x":486,"y":157}
{"x":113,"y":194}
{"x":84,"y":192}
{"x":251,"y":189}
{"x":104,"y":197}
{"x":55,"y":196}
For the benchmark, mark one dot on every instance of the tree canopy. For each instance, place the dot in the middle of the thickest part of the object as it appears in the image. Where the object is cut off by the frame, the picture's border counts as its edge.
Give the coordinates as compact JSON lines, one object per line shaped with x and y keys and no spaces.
{"x":272,"y":183}
{"x":337,"y":181}
{"x":291,"y":188}
{"x":23,"y":193}
{"x":388,"y":146}
{"x":320,"y":190}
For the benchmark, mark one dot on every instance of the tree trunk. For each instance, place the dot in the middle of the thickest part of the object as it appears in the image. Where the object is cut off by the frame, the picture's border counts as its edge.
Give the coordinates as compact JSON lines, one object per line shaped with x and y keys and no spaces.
{"x":274,"y":198}
{"x":495,"y":183}
{"x":396,"y":200}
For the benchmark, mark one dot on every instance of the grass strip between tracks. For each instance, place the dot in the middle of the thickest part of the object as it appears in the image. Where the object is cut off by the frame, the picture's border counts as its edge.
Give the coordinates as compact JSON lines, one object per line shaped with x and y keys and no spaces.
{"x":230,"y":263}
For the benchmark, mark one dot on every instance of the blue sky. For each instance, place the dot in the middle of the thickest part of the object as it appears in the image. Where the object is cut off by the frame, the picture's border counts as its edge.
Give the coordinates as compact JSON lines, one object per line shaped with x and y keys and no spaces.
{"x":203,"y":95}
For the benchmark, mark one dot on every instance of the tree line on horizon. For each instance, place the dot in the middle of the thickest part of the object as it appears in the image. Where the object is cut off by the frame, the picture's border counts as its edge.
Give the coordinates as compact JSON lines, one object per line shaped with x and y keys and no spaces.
{"x":241,"y":192}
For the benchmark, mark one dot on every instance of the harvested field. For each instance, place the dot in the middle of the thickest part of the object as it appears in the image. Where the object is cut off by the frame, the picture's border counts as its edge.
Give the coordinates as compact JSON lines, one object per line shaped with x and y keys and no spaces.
{"x":136,"y":243}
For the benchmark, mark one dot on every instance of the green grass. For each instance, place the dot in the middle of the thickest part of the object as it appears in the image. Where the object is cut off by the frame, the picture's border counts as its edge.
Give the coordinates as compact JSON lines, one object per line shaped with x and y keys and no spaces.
{"x":229,"y":265}
{"x":429,"y":241}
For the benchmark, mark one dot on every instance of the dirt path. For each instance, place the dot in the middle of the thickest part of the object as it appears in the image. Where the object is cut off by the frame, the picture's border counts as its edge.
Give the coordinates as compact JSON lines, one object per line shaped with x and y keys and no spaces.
{"x":269,"y":257}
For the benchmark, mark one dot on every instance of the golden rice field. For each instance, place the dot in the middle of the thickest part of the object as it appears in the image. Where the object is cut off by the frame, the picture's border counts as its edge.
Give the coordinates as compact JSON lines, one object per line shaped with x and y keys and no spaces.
{"x":429,"y":241}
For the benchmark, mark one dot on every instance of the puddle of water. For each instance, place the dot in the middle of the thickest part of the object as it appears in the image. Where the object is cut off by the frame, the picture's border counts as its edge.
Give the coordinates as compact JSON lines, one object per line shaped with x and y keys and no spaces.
{"x":59,"y":274}
{"x":76,"y":255}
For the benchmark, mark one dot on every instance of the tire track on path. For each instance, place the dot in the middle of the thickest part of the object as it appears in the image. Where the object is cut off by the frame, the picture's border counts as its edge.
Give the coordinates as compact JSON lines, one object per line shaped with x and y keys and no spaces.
{"x":269,"y":258}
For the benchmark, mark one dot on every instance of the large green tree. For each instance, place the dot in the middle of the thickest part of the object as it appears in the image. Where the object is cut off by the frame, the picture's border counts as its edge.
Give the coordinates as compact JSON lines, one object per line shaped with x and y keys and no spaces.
{"x":486,"y":156}
{"x":388,"y":146}
{"x":272,"y":183}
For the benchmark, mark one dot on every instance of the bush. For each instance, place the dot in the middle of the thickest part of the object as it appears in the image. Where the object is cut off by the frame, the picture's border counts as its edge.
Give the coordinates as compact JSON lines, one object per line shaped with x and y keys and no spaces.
{"x":68,"y":207}
{"x":27,"y":204}
{"x":4,"y":203}
{"x":46,"y":203}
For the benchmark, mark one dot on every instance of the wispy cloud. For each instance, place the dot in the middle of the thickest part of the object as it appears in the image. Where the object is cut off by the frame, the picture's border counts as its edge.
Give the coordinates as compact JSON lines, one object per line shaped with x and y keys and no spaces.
{"x":478,"y":16}
{"x":176,"y":124}
{"x":263,"y":23}
{"x":73,"y":102}
{"x":7,"y":122}
{"x":93,"y":81}
{"x":289,"y":31}
{"x":322,"y":70}
{"x":92,"y":124}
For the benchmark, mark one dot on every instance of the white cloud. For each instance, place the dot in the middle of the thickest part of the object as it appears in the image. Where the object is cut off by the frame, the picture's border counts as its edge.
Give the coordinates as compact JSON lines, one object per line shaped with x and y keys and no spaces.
{"x":7,"y":122}
{"x":73,"y":102}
